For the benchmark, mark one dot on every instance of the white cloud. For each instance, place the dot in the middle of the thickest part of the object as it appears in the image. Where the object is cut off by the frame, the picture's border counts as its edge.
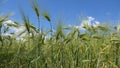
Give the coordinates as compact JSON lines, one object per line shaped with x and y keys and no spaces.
{"x":19,"y":30}
{"x":90,"y":19}
{"x":16,"y":30}
{"x":8,"y":22}
{"x":89,"y":22}
{"x":79,"y":27}
{"x":97,"y":23}
{"x":92,"y":22}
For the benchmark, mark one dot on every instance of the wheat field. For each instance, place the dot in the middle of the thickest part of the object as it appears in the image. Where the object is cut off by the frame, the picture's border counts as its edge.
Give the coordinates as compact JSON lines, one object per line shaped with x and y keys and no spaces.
{"x":96,"y":47}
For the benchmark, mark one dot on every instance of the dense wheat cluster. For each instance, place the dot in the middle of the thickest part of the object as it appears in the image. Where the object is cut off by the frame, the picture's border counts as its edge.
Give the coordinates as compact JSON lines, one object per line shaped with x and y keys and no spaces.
{"x":97,"y":47}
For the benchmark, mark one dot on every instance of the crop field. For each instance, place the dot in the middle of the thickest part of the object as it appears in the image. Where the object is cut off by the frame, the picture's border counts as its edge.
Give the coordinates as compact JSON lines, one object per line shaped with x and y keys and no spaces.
{"x":65,"y":47}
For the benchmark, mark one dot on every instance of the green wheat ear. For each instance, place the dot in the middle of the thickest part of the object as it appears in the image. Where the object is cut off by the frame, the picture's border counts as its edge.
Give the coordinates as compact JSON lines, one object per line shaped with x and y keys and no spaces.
{"x":15,"y":25}
{"x":46,"y":16}
{"x":26,"y":21}
{"x":36,"y":8}
{"x":3,"y":18}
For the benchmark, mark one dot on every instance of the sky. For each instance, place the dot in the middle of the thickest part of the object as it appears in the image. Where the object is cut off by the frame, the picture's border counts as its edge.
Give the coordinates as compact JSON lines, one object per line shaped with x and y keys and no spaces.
{"x":69,"y":11}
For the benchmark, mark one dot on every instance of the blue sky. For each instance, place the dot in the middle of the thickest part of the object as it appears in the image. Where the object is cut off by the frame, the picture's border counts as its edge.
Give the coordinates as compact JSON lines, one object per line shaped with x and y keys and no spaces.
{"x":69,"y":11}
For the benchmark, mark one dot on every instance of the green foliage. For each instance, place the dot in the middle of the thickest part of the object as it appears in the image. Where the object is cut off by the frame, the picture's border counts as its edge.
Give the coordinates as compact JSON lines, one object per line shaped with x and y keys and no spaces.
{"x":72,"y":50}
{"x":97,"y":47}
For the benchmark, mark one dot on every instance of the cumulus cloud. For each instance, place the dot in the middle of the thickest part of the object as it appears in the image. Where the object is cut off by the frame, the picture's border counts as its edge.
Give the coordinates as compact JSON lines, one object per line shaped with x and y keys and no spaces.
{"x":89,"y":22}
{"x":11,"y":25}
{"x":90,"y":19}
{"x":19,"y":31}
{"x":8,"y":22}
{"x":96,"y":24}
{"x":15,"y":30}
